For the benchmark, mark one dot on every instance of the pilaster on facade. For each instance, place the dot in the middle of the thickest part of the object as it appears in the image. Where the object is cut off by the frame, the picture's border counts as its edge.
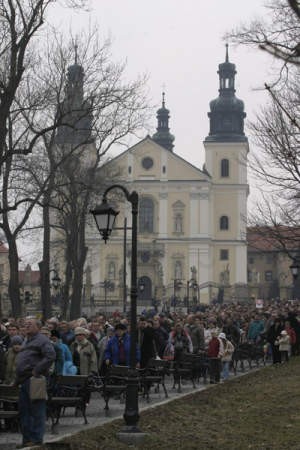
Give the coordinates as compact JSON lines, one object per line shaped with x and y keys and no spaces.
{"x":163,"y":215}
{"x":241,"y":264}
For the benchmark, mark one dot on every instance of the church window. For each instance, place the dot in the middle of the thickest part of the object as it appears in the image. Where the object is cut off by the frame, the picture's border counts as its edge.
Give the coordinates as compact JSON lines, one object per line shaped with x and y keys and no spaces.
{"x":224,"y":255}
{"x":178,"y":223}
{"x":147,"y":162}
{"x":129,"y":169}
{"x":164,"y":169}
{"x":146,"y":216}
{"x":224,"y":223}
{"x":224,"y":168}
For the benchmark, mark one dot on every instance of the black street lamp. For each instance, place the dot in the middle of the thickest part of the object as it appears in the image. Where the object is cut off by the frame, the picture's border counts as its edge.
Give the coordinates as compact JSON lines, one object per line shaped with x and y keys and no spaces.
{"x":105,"y":216}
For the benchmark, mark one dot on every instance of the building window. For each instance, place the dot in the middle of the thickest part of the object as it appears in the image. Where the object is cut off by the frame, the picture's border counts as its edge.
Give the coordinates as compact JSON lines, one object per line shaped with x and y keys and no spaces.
{"x":111,"y":270}
{"x":224,"y":168}
{"x":250,"y":278}
{"x":224,"y":255}
{"x":146,"y":215}
{"x":269,"y":259}
{"x":129,"y":169}
{"x":178,"y":224}
{"x":147,"y":162}
{"x":251,"y":260}
{"x":268,"y":275}
{"x":164,"y":169}
{"x":224,"y":223}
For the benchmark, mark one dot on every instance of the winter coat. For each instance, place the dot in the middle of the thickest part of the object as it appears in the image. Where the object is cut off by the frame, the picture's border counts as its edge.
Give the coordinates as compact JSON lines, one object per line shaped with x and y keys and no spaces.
{"x":228,"y":351}
{"x":292,"y":335}
{"x":215,"y":348}
{"x":255,"y":328}
{"x":182,"y":343}
{"x":284,"y":343}
{"x":196,"y":334}
{"x":84,"y":357}
{"x":147,"y":345}
{"x":10,"y":366}
{"x":37,"y":354}
{"x":112,"y":350}
{"x":274,"y":332}
{"x":161,"y":337}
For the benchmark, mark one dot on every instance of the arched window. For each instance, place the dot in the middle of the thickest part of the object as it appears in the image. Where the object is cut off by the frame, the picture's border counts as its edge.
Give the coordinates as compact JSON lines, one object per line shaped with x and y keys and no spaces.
{"x":146,"y":216}
{"x":111,"y":270}
{"x":224,"y":168}
{"x":178,"y":223}
{"x":224,"y":223}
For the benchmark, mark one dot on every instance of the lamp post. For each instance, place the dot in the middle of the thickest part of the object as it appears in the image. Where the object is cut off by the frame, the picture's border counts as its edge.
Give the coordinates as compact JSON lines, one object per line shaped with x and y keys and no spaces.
{"x":105,"y":217}
{"x":295,"y":270}
{"x":125,"y":228}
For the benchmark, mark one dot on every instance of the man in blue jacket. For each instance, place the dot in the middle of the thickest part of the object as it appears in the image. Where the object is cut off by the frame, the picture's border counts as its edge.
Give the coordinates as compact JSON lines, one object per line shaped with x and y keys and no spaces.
{"x":117,"y":351}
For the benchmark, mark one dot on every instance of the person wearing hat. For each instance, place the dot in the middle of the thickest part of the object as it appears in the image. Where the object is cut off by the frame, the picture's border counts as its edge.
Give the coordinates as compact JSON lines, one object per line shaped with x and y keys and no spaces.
{"x":283,"y":342}
{"x":10,"y":359}
{"x":83,"y":353}
{"x":228,"y":349}
{"x":117,"y":351}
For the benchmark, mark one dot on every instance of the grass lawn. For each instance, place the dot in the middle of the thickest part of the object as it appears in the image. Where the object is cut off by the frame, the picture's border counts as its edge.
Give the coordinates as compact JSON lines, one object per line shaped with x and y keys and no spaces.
{"x":260,"y":411}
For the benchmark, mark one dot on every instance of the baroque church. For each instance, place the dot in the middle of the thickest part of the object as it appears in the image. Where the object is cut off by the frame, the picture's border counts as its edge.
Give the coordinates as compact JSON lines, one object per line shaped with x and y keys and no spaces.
{"x":191,"y":223}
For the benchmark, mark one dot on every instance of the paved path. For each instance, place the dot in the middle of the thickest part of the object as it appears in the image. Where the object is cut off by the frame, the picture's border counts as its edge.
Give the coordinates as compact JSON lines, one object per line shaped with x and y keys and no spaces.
{"x":96,"y":414}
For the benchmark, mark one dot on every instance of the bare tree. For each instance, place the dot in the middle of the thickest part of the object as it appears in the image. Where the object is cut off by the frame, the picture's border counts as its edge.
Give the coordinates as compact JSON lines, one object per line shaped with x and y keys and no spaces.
{"x":104,"y":111}
{"x":276,"y":130}
{"x":21,"y":24}
{"x":278,"y":33}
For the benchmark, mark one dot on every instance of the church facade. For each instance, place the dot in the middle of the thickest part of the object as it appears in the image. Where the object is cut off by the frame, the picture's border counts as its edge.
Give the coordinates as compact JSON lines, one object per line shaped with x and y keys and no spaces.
{"x":192,"y":222}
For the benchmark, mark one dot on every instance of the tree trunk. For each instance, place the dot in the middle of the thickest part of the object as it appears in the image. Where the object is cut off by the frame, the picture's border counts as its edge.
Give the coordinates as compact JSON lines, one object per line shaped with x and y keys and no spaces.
{"x":14,"y":285}
{"x":45,"y":274}
{"x":79,"y":256}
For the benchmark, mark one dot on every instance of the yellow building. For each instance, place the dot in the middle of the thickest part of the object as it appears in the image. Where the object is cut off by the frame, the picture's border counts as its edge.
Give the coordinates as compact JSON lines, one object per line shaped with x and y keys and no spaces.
{"x":192,"y":222}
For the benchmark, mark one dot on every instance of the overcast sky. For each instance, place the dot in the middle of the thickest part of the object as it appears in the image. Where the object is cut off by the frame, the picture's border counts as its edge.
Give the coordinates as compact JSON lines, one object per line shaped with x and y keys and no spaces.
{"x":179,"y":45}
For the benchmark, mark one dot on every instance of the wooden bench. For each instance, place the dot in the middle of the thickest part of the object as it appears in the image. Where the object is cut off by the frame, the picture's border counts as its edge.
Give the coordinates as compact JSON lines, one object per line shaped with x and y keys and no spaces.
{"x":67,"y":391}
{"x":9,"y":398}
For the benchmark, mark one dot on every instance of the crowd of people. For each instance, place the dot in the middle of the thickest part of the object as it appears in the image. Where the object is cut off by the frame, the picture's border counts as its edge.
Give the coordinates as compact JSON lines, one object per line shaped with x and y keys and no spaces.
{"x":88,"y":346}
